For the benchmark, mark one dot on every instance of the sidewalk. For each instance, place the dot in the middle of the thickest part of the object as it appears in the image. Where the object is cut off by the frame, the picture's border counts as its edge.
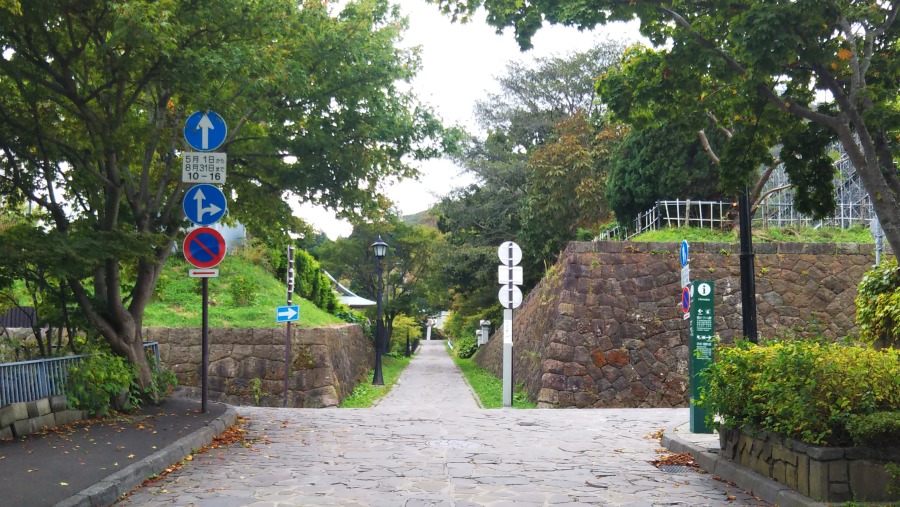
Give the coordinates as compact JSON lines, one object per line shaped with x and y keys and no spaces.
{"x":93,"y":463}
{"x":705,"y":450}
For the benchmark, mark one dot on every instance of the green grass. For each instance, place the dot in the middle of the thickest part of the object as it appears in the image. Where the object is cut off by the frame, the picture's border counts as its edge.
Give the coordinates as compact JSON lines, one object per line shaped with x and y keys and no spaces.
{"x":488,"y":387}
{"x":177,"y":301}
{"x":365,"y":394}
{"x":774,"y":234}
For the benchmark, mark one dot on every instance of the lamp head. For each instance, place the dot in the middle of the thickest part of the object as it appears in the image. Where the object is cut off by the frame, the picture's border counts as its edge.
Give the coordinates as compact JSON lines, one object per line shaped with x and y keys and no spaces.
{"x":379,"y":247}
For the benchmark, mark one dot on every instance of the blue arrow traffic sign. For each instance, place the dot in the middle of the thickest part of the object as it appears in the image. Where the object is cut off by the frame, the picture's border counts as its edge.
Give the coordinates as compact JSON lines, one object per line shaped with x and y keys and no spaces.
{"x":204,"y":204}
{"x":205,"y":131}
{"x":287,"y":313}
{"x":204,"y":247}
{"x":683,"y":253}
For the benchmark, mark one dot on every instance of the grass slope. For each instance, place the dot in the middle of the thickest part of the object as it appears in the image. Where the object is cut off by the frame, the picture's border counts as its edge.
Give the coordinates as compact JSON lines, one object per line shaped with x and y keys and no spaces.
{"x":774,"y":234}
{"x":177,"y":301}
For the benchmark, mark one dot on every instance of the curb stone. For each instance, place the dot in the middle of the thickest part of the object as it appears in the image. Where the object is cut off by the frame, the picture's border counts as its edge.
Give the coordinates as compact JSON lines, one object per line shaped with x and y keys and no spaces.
{"x":759,"y":485}
{"x":108,"y":490}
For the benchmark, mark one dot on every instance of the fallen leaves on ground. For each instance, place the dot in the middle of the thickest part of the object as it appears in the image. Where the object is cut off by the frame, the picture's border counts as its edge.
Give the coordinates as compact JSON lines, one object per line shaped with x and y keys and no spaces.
{"x":656,"y":435}
{"x":235,"y":434}
{"x":682,"y":459}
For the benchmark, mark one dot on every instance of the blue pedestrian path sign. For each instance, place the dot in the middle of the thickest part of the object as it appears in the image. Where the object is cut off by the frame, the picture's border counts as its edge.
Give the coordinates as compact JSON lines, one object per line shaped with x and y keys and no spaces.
{"x":204,"y":204}
{"x":205,"y":131}
{"x":287,"y":313}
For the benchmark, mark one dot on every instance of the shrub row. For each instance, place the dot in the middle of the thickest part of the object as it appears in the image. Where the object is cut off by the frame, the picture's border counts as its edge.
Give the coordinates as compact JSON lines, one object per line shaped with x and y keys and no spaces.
{"x":808,"y":390}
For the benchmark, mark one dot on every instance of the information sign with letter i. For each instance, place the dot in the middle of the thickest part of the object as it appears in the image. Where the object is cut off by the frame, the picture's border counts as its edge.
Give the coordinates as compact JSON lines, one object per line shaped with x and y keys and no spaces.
{"x":702,"y":311}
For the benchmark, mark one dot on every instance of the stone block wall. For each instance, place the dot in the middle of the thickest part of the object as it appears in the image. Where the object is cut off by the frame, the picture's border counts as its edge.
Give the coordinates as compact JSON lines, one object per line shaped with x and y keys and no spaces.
{"x":604,"y":328}
{"x":326,"y":363}
{"x":21,"y":419}
{"x":826,"y":474}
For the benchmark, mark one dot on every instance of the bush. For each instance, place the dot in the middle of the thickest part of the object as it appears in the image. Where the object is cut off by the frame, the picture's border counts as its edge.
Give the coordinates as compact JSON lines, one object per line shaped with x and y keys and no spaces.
{"x":465,"y":347}
{"x":242,"y":291}
{"x":96,"y":380}
{"x":880,"y":429}
{"x":311,"y":283}
{"x":803,"y":389}
{"x":878,"y":305}
{"x":404,"y":326}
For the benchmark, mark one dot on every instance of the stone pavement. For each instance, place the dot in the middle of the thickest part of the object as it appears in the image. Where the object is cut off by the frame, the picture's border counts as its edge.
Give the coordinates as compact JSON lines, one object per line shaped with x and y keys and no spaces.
{"x":429,"y":444}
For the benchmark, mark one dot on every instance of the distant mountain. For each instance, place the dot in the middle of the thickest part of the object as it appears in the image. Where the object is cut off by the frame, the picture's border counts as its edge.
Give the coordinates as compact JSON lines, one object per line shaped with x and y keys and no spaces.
{"x":423,"y":218}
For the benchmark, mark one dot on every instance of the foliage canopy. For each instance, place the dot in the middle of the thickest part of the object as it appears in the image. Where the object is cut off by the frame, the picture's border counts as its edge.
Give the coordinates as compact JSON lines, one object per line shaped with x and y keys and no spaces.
{"x":93,"y":98}
{"x":800,"y":73}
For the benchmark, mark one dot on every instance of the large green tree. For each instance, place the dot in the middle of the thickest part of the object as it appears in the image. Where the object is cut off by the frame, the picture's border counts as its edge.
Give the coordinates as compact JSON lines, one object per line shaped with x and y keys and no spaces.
{"x":567,"y":182}
{"x":408,"y":269}
{"x":543,"y":119}
{"x":93,"y":99}
{"x":808,"y":70}
{"x":658,"y":163}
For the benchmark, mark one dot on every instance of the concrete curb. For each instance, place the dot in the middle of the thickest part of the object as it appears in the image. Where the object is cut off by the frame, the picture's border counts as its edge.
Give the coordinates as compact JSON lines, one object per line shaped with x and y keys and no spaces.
{"x":759,"y":485}
{"x":108,"y":490}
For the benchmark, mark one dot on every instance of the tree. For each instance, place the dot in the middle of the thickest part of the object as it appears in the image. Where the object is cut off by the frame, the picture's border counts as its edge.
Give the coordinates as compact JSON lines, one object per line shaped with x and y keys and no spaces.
{"x":531,"y":130}
{"x":567,"y":182}
{"x":639,"y":176}
{"x":93,"y":97}
{"x":407,"y":269}
{"x":816,"y":70}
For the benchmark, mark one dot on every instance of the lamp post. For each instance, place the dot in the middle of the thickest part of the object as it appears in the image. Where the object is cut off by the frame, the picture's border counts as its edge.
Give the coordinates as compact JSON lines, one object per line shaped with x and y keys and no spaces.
{"x":379,"y":248}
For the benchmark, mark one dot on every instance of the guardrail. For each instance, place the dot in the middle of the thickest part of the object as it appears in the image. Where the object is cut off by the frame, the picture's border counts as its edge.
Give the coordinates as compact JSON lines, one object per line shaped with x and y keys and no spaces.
{"x":25,"y":381}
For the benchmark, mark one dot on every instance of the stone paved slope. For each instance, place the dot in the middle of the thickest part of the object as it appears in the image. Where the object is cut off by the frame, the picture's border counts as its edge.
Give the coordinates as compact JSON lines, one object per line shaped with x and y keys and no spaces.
{"x":428,"y":444}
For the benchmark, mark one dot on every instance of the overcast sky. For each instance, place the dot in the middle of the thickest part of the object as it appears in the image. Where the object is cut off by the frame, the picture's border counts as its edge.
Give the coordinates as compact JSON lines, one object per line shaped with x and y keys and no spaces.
{"x":459,"y":65}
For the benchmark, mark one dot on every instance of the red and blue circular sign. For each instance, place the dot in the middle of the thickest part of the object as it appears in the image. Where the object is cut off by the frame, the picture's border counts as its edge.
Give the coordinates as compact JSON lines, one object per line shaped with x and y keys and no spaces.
{"x":686,"y":299}
{"x":204,"y":247}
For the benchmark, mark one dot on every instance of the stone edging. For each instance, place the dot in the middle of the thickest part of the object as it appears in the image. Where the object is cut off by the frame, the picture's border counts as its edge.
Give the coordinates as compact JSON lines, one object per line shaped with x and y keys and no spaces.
{"x":769,"y":490}
{"x":108,"y":490}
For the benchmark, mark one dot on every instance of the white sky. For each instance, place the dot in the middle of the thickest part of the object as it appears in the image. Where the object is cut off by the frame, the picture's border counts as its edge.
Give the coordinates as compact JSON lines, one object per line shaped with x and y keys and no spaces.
{"x":459,"y":65}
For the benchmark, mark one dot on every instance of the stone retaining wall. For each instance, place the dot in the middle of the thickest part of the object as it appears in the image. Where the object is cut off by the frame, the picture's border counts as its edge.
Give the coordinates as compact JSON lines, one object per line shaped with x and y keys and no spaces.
{"x":826,"y":474}
{"x":21,"y":419}
{"x":604,"y":328}
{"x":326,"y":363}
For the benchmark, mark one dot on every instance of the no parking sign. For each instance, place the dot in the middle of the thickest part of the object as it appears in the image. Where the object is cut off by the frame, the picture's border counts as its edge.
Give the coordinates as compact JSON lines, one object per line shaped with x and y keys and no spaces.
{"x":204,"y":247}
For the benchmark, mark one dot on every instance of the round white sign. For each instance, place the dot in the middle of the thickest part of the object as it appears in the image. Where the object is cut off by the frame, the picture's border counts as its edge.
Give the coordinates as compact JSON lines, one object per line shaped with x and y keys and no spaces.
{"x":510,"y":296}
{"x":509,"y":253}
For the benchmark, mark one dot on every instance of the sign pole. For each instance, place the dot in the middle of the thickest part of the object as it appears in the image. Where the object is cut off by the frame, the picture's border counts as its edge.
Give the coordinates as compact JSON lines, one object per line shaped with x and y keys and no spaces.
{"x":510,"y":277}
{"x":507,"y":358}
{"x":204,"y":361}
{"x":287,"y":333}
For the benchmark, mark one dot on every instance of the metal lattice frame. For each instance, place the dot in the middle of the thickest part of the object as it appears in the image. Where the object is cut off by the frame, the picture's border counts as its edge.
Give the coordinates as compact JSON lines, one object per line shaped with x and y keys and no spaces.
{"x":854,"y":207}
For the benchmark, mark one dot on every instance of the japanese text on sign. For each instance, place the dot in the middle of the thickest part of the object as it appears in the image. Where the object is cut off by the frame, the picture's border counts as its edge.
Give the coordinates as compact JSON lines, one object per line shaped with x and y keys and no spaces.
{"x":704,"y":320}
{"x":204,"y":167}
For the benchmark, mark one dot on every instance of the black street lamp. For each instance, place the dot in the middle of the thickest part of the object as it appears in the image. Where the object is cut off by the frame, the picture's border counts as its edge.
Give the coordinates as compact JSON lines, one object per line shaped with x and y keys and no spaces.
{"x":379,"y":248}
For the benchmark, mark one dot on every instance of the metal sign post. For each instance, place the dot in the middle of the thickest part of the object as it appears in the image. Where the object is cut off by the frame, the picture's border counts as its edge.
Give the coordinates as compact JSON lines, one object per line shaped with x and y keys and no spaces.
{"x":509,"y":276}
{"x":702,"y":313}
{"x":287,"y":332}
{"x":204,"y":248}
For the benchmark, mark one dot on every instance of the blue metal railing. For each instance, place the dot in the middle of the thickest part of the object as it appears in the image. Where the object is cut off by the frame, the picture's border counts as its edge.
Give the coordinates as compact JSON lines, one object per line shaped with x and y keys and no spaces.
{"x":25,"y":381}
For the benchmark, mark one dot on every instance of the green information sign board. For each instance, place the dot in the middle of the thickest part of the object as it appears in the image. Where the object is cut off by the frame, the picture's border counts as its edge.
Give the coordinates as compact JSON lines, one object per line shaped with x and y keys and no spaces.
{"x":702,"y":311}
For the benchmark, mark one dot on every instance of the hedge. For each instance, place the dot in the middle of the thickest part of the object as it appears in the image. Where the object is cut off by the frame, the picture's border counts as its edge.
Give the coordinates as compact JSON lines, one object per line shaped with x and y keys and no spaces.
{"x":807,"y":390}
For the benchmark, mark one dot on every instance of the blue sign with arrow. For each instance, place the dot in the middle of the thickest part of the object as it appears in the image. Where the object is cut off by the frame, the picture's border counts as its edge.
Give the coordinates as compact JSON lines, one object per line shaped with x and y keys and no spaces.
{"x":683,"y":253}
{"x":204,"y":204}
{"x":287,"y":313}
{"x":205,"y":131}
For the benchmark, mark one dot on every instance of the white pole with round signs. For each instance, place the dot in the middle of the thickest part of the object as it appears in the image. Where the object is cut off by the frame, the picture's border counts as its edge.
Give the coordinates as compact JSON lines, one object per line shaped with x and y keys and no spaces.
{"x":509,"y":275}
